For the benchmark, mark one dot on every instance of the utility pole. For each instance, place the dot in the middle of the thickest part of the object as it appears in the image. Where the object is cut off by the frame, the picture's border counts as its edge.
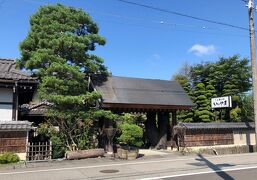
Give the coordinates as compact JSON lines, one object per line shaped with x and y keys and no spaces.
{"x":253,"y":60}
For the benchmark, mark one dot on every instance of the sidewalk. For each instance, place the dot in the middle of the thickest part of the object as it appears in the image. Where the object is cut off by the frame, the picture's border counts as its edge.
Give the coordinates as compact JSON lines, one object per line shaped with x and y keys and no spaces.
{"x":145,"y":154}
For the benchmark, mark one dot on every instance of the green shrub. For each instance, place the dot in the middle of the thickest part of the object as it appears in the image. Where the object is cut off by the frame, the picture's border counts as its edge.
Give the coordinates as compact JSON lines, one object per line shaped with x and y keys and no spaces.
{"x":131,"y":134}
{"x":58,"y":143}
{"x":9,"y":157}
{"x":58,"y":147}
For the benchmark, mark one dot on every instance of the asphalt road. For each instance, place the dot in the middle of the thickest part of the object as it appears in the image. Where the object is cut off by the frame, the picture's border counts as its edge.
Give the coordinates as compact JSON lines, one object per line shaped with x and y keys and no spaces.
{"x":248,"y":174}
{"x":170,"y":166}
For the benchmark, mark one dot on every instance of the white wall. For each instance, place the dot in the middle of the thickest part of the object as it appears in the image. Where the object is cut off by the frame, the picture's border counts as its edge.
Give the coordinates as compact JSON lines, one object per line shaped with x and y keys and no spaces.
{"x":5,"y":112}
{"x":6,"y":96}
{"x":244,"y":137}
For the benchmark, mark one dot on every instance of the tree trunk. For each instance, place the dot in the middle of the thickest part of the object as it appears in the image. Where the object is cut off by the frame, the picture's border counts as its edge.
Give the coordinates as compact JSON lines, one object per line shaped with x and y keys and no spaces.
{"x":81,"y":154}
{"x":151,"y":129}
{"x":163,"y":123}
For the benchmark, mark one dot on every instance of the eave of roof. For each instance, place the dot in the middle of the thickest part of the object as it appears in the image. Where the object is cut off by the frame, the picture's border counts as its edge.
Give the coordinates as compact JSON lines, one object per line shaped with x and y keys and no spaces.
{"x":9,"y":73}
{"x":15,"y":126}
{"x":38,"y":109}
{"x":144,"y":106}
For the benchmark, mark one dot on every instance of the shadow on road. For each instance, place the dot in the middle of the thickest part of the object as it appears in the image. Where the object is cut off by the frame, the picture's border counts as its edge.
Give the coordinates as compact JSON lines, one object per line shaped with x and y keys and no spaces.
{"x":215,"y":167}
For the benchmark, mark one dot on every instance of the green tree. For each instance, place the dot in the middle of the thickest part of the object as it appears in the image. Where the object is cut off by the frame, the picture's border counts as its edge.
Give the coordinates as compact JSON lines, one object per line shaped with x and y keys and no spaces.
{"x":182,"y":79}
{"x":247,"y":107}
{"x":58,"y":50}
{"x":225,"y":77}
{"x":202,"y":99}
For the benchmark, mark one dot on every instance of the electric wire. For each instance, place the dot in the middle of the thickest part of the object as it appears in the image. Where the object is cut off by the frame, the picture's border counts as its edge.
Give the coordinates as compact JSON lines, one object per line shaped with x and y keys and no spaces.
{"x":132,"y":21}
{"x":181,"y":14}
{"x":161,"y":22}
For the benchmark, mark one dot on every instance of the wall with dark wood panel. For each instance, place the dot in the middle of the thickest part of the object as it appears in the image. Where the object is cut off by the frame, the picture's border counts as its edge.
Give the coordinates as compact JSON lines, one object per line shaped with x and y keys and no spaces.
{"x":208,"y":137}
{"x":11,"y":141}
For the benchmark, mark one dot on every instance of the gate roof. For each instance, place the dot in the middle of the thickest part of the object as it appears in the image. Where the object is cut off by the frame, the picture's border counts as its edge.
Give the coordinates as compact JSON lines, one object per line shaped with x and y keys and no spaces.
{"x":142,"y":94}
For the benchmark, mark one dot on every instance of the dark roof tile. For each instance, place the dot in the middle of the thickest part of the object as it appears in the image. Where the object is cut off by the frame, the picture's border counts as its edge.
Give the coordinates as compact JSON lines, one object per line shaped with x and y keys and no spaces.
{"x":217,"y":125}
{"x":36,"y":109}
{"x":127,"y":90}
{"x":15,"y":125}
{"x":8,"y":71}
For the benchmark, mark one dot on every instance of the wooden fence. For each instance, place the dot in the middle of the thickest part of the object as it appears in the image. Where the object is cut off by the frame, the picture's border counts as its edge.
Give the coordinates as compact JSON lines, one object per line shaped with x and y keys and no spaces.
{"x":13,"y":142}
{"x":39,"y":151}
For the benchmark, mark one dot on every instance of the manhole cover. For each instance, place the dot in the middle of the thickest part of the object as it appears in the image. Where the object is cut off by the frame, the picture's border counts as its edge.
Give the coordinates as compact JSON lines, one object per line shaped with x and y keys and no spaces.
{"x":109,"y":171}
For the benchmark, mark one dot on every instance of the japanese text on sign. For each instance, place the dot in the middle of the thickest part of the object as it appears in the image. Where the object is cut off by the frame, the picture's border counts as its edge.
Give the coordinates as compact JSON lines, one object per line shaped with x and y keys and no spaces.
{"x":221,"y":102}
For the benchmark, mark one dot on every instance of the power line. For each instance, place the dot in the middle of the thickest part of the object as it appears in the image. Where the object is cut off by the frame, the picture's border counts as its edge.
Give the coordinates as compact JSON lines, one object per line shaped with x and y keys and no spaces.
{"x":176,"y":27}
{"x":183,"y":15}
{"x":150,"y":21}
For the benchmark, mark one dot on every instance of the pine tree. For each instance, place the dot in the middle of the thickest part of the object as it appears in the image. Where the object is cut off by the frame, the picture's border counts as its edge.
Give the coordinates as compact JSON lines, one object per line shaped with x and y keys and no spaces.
{"x":58,"y":50}
{"x":203,"y":94}
{"x":184,"y":115}
{"x":229,"y":77}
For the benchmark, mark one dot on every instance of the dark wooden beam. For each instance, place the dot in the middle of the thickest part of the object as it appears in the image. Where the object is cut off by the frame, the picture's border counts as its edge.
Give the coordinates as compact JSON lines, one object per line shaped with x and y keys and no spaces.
{"x":15,"y":102}
{"x":163,"y":124}
{"x":151,"y":129}
{"x":6,"y":103}
{"x":144,"y":106}
{"x":174,"y":118}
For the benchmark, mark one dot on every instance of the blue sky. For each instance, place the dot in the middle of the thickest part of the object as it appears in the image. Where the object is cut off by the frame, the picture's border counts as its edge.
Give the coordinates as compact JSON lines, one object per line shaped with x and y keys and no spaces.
{"x":142,"y":42}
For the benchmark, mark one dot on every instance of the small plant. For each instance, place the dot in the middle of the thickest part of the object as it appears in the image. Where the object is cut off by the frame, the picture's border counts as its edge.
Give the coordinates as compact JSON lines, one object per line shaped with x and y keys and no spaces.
{"x":131,"y":135}
{"x":9,"y":157}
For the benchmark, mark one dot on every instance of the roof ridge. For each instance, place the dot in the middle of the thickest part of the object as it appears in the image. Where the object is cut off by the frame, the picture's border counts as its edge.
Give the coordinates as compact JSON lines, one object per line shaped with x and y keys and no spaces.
{"x":8,"y":59}
{"x":141,"y":78}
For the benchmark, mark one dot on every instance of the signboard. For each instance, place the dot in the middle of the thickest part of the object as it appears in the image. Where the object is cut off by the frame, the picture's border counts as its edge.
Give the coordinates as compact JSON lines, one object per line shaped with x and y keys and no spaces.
{"x":221,"y":102}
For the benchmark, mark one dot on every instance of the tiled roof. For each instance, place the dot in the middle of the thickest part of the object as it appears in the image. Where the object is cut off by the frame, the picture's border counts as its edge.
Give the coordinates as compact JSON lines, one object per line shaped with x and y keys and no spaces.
{"x":125,"y":90}
{"x":8,"y":71}
{"x":37,"y":109}
{"x":217,"y":125}
{"x":15,"y":125}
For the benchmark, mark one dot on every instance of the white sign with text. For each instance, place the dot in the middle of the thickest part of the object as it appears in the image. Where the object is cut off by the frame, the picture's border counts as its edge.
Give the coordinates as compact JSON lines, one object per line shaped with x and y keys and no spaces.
{"x":221,"y":102}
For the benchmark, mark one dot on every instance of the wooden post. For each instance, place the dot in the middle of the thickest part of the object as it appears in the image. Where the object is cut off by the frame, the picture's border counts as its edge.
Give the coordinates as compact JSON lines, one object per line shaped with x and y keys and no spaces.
{"x":173,"y":123}
{"x":27,"y":143}
{"x":15,"y":102}
{"x":163,"y":122}
{"x":50,"y":150}
{"x":27,"y":151}
{"x":169,"y":131}
{"x":151,"y":129}
{"x":108,"y":142}
{"x":174,"y":118}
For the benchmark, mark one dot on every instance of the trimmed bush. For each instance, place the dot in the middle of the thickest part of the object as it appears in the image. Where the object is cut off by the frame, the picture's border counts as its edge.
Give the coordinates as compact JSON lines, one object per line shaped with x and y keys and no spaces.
{"x":131,"y":135}
{"x":9,"y":157}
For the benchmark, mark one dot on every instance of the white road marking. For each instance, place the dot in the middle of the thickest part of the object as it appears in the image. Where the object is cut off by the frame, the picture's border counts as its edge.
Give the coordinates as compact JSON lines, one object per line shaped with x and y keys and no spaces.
{"x":200,"y":173}
{"x":120,"y":164}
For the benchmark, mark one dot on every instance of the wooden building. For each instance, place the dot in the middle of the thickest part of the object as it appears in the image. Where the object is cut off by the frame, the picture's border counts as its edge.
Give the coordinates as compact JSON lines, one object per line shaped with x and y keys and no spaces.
{"x":14,"y":137}
{"x":157,"y":98}
{"x":213,"y":134}
{"x":16,"y":88}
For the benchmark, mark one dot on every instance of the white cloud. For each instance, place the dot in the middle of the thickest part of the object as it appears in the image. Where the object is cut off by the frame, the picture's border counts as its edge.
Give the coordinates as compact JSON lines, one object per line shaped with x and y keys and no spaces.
{"x":156,"y":56}
{"x":201,"y":50}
